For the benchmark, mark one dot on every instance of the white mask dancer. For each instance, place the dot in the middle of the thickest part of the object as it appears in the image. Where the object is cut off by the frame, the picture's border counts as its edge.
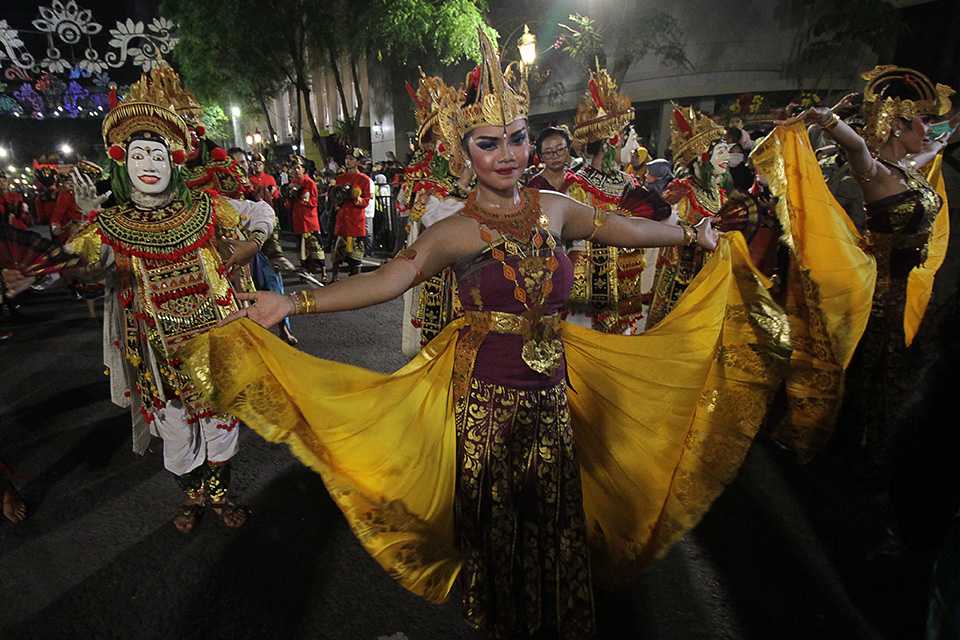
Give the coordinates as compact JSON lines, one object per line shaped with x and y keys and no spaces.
{"x":720,"y":157}
{"x":148,"y":164}
{"x":631,"y":145}
{"x":734,"y":159}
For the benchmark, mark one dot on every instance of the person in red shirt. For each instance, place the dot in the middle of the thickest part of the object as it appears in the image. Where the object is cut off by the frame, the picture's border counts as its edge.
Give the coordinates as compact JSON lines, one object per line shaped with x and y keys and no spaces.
{"x":265,"y":188}
{"x":13,"y":206}
{"x":45,"y":179}
{"x":65,"y":212}
{"x":306,"y":221}
{"x":351,"y":225}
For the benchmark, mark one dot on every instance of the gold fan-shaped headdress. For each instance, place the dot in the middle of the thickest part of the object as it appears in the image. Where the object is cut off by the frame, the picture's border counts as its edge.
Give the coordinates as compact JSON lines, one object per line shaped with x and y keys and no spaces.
{"x":692,"y":134}
{"x":149,"y":106}
{"x":880,"y":110}
{"x":427,"y":99}
{"x":603,"y":111}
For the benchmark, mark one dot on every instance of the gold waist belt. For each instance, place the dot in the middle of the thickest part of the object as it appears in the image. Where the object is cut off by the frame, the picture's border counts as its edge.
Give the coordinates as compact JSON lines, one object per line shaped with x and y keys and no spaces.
{"x":512,"y":323}
{"x":542,"y":348}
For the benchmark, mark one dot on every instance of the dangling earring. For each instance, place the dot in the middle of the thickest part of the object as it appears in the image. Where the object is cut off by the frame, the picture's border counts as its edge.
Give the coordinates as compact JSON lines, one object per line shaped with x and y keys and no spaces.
{"x":469,"y":163}
{"x":897,"y":133}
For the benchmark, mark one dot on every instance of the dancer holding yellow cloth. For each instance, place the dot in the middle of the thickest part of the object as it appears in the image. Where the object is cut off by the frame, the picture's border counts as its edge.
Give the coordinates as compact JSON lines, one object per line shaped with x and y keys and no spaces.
{"x":475,"y":461}
{"x":857,"y":302}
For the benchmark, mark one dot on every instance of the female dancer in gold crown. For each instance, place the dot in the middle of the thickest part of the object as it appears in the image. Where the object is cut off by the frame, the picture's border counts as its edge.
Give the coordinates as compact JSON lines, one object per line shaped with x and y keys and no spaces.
{"x":512,"y":440}
{"x":856,"y":301}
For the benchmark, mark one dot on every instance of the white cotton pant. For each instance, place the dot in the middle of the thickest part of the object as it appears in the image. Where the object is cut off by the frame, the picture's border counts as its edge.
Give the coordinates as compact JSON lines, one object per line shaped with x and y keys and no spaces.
{"x":187,"y":443}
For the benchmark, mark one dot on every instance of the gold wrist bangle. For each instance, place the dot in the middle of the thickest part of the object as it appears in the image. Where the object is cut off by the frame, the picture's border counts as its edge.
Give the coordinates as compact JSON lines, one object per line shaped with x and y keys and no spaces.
{"x":689,"y":234}
{"x":834,"y":121}
{"x":599,"y":219}
{"x":303,"y":303}
{"x":258,"y":236}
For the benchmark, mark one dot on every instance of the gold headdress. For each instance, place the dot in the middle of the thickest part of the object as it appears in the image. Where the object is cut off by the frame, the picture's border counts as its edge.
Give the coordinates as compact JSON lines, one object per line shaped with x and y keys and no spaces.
{"x":881,"y":110}
{"x":602,"y":112}
{"x":491,"y":97}
{"x":427,"y":98}
{"x":692,"y":134}
{"x":147,"y":107}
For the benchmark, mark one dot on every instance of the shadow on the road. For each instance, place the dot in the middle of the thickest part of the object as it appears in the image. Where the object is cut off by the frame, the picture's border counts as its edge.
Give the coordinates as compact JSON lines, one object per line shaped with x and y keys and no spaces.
{"x":31,"y":417}
{"x":95,"y":454}
{"x":215,"y":583}
{"x":260,"y":585}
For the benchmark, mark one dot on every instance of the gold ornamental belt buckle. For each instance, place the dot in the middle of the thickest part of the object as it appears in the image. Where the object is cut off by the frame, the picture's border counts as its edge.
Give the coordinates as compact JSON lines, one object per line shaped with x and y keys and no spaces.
{"x":542,"y":348}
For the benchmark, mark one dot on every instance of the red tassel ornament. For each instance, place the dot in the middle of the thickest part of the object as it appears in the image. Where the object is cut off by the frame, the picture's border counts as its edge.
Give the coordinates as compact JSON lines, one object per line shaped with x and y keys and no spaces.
{"x":179,"y":156}
{"x":116,"y":153}
{"x":201,"y":131}
{"x":219,"y":154}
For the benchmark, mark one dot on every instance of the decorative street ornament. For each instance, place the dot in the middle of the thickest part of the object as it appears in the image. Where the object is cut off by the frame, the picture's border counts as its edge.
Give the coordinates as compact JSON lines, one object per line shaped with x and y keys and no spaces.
{"x":12,"y":49}
{"x":151,"y":46}
{"x":67,"y":27}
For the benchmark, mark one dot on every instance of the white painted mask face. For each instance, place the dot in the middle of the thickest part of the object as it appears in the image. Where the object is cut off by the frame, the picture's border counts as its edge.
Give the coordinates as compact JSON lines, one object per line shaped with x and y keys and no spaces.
{"x":148,"y":164}
{"x":720,"y":157}
{"x":631,"y":145}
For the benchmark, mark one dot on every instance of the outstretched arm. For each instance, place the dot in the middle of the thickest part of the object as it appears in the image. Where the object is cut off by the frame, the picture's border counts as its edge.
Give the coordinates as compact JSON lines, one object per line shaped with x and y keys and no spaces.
{"x":439,"y":246}
{"x":581,"y":222}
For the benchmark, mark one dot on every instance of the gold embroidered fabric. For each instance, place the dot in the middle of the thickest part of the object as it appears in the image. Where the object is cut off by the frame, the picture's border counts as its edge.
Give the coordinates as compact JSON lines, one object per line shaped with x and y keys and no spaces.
{"x":86,"y":243}
{"x":661,"y":422}
{"x":920,"y":280}
{"x":830,"y":288}
{"x":524,"y":568}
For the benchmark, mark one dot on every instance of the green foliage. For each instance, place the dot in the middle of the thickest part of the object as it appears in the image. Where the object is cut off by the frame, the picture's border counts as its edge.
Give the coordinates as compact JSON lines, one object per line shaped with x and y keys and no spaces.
{"x":218,"y":125}
{"x":631,"y":37}
{"x":838,"y":35}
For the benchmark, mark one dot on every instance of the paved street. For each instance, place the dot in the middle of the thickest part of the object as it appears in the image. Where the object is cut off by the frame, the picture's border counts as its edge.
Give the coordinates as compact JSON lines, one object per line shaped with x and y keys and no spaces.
{"x":99,"y":558}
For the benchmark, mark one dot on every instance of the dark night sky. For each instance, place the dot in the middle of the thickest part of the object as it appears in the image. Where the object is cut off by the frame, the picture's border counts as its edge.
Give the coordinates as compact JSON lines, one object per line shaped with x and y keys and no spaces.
{"x":30,"y":138}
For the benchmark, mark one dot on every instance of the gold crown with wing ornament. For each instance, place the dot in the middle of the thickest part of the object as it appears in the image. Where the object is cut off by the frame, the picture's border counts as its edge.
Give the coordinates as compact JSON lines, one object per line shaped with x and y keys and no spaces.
{"x":148,"y":109}
{"x":602,"y":112}
{"x":881,"y":111}
{"x":427,"y":99}
{"x":491,"y":97}
{"x":692,"y":134}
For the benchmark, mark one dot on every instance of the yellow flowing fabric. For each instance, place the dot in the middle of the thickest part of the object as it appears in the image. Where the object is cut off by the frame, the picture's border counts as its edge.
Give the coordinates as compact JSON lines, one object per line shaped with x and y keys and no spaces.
{"x":662,"y":421}
{"x":920,"y":281}
{"x":830,"y":286}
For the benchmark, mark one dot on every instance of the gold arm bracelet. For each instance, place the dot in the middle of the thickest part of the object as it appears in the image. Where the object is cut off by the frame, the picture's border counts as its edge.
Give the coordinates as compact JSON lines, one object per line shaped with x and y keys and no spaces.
{"x":258,"y":236}
{"x":832,"y":124}
{"x":689,"y":233}
{"x":303,"y":302}
{"x":599,"y":219}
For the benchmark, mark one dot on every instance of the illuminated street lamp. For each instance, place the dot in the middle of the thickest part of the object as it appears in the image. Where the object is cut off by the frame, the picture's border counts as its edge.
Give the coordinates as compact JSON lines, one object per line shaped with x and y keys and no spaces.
{"x":11,"y":168}
{"x":257,"y":137}
{"x":66,"y":149}
{"x":527,"y":44}
{"x":249,"y":140}
{"x":3,"y":152}
{"x":234,"y":116}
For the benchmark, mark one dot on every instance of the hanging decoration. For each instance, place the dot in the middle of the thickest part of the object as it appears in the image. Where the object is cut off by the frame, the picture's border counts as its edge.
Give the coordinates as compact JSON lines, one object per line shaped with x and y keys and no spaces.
{"x":62,"y":68}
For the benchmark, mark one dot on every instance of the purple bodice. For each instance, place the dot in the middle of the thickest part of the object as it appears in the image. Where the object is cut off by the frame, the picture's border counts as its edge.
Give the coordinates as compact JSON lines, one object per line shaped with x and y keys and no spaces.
{"x":483,"y":286}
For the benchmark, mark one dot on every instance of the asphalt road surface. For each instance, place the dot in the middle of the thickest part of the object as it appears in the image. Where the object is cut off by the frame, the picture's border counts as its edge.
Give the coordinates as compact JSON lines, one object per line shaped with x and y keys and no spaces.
{"x":99,"y":557}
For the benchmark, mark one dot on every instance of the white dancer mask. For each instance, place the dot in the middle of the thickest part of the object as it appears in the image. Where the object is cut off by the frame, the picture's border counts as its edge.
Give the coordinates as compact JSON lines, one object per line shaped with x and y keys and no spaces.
{"x":148,"y":165}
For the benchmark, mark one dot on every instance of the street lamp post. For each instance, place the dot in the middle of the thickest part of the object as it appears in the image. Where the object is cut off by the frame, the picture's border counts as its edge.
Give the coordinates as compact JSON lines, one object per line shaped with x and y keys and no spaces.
{"x":234,"y":116}
{"x":527,"y":44}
